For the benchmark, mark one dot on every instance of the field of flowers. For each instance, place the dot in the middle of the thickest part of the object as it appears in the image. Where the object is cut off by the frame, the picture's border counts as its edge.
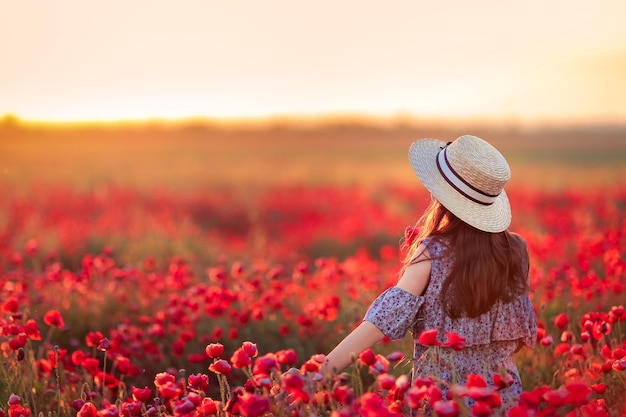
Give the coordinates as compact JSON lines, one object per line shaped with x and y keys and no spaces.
{"x":193,"y":271}
{"x":116,"y":301}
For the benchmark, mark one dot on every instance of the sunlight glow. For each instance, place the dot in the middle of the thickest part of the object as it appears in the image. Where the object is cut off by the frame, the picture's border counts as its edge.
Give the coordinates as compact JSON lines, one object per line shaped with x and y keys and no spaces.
{"x":229,"y":60}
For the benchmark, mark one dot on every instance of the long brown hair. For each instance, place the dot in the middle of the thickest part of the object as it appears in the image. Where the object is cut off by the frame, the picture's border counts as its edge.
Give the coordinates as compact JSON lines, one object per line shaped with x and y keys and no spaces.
{"x":487,"y":266}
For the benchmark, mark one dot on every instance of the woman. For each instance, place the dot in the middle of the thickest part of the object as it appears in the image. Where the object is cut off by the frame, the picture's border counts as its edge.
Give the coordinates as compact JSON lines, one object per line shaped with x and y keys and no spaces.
{"x":465,"y":273}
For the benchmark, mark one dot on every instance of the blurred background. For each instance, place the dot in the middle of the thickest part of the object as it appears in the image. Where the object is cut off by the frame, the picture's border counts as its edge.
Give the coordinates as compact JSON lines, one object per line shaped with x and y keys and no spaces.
{"x":152,"y":151}
{"x":209,"y":93}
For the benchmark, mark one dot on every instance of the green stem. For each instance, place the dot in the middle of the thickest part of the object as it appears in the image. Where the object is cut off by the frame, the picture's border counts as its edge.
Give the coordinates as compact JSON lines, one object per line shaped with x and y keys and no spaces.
{"x":56,"y":371}
{"x":227,"y":387}
{"x":104,"y":371}
{"x":222,"y":389}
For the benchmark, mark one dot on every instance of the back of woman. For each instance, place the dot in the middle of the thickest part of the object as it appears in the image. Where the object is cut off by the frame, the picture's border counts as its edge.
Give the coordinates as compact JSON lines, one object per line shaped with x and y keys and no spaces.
{"x":465,"y":277}
{"x":489,"y":338}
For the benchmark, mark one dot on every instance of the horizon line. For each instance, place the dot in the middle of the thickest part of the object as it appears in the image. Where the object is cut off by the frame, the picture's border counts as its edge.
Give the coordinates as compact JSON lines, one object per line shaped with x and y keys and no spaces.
{"x":319,"y":120}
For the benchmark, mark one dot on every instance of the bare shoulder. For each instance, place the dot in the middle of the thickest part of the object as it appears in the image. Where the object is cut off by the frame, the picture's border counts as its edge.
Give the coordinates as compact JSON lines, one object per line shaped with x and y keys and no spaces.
{"x":421,"y":254}
{"x":416,"y":275}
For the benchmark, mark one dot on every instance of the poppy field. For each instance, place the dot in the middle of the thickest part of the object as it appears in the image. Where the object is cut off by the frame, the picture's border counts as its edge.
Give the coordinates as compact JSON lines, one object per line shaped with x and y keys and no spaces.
{"x":123,"y":299}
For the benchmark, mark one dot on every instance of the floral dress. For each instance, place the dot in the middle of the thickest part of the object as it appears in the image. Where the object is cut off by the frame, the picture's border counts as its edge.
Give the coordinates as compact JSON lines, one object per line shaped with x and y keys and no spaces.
{"x":491,"y":338}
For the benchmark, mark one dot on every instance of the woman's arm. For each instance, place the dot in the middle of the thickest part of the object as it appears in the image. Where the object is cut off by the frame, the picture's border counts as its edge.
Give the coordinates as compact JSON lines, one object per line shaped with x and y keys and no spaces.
{"x":363,"y":336}
{"x":414,"y":280}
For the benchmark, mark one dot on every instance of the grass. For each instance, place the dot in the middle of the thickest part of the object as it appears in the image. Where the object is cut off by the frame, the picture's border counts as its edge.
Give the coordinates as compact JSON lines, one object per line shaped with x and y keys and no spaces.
{"x":142,"y":159}
{"x":199,"y":156}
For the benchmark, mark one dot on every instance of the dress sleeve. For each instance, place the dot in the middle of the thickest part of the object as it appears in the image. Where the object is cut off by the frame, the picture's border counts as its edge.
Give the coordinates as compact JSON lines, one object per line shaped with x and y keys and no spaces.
{"x":394,"y":312}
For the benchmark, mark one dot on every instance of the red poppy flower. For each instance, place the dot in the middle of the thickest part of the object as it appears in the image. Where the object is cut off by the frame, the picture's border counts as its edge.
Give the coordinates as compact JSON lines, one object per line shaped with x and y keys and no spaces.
{"x":220,"y":366}
{"x":263,"y":365}
{"x":106,"y":379}
{"x":91,"y":365}
{"x":130,"y":409}
{"x":561,"y":321}
{"x":76,"y":405}
{"x":455,"y":341}
{"x":77,"y":357}
{"x":434,"y":394}
{"x":446,"y":408}
{"x":109,"y":411}
{"x":607,"y":366}
{"x":104,"y":344}
{"x":386,"y":381}
{"x":208,"y":407}
{"x":556,"y":398}
{"x":287,"y":357}
{"x":546,"y":341}
{"x":617,"y":313}
{"x":10,"y":305}
{"x":534,"y":397}
{"x":599,"y":329}
{"x":169,"y":390}
{"x":19,"y":410}
{"x":619,"y":364}
{"x":19,"y":341}
{"x":93,"y":338}
{"x":87,"y":410}
{"x":381,"y":365}
{"x":503,"y":381}
{"x":416,"y":395}
{"x":252,"y":405}
{"x":14,"y":399}
{"x":367,"y":357}
{"x":250,"y":349}
{"x":199,"y":381}
{"x":240,"y":359}
{"x":475,"y":380}
{"x":402,"y":384}
{"x":56,"y":355}
{"x":184,"y":407}
{"x":599,"y":388}
{"x":561,"y":348}
{"x":428,"y":338}
{"x":53,"y":318}
{"x":141,"y":394}
{"x":578,"y":392}
{"x":372,"y":405}
{"x":481,"y":409}
{"x":577,"y":349}
{"x":618,"y":353}
{"x":163,"y":378}
{"x":310,"y":366}
{"x":32,"y":330}
{"x":214,"y":350}
{"x":293,"y":381}
{"x":410,"y":234}
{"x":284,"y":330}
{"x":217,"y":333}
{"x":196,"y":357}
{"x":45,"y":366}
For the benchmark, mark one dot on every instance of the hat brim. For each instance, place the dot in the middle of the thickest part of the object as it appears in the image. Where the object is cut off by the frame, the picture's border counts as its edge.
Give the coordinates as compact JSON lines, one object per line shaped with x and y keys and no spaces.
{"x":493,"y":218}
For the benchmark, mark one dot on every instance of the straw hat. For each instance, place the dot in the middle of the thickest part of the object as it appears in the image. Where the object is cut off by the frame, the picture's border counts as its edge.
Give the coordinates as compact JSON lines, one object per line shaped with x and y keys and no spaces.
{"x":467,"y":177}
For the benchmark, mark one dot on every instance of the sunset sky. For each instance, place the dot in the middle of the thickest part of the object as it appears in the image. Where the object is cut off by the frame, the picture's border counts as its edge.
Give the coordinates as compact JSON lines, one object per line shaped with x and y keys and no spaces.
{"x":526,"y":61}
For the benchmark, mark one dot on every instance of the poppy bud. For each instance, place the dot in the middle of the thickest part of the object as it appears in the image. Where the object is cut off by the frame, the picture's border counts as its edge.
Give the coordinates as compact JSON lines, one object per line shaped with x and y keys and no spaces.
{"x":214,"y":350}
